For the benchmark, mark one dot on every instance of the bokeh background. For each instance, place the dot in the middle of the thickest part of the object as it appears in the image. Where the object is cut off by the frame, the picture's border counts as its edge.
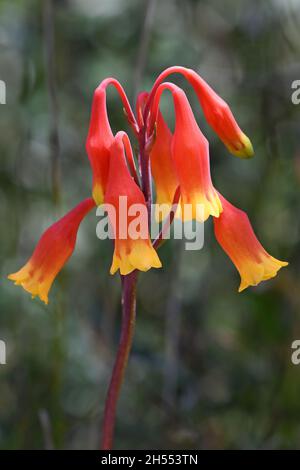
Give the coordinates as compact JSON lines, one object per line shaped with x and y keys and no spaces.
{"x":210,"y":368}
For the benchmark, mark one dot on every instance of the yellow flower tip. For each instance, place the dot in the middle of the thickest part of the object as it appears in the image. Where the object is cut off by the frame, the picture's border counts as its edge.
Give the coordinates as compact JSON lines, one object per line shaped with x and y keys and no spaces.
{"x":41,"y":296}
{"x":98,"y":194}
{"x":199,"y":207}
{"x":217,"y":206}
{"x":113,"y":270}
{"x":242,"y":148}
{"x":121,"y":263}
{"x":142,"y":256}
{"x":283,"y":263}
{"x":261,"y":272}
{"x":24,"y":279}
{"x":44,"y":299}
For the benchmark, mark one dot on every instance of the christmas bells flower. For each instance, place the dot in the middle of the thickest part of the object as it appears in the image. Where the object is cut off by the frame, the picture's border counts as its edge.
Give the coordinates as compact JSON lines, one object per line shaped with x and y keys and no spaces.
{"x":180,"y":164}
{"x":129,"y":253}
{"x":220,"y":118}
{"x":99,"y":140}
{"x":237,"y":238}
{"x":55,"y":247}
{"x":190,"y":156}
{"x":163,"y":170}
{"x":216,"y":111}
{"x":100,"y":137}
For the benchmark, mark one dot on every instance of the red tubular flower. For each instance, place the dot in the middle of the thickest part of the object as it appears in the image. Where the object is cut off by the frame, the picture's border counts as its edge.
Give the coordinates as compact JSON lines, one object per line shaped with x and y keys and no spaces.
{"x":51,"y":253}
{"x":220,"y":118}
{"x":216,"y":111}
{"x":191,"y":159}
{"x":99,"y":140}
{"x":237,"y":238}
{"x":129,"y":253}
{"x":163,"y":170}
{"x":100,"y":136}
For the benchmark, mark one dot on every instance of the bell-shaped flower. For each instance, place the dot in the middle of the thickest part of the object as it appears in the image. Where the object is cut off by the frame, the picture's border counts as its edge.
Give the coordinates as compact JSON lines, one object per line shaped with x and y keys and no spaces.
{"x":163,"y":170}
{"x":51,"y":253}
{"x":129,"y":219}
{"x":237,"y":238}
{"x":216,"y":111}
{"x":190,"y":151}
{"x":99,"y":140}
{"x":219,"y":116}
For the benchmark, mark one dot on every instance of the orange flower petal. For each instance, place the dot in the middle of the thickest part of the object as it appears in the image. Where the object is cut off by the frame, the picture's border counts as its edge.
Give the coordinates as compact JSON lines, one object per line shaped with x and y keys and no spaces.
{"x":99,"y":140}
{"x":163,"y":170}
{"x":220,"y":117}
{"x":237,"y":238}
{"x":51,"y":253}
{"x":191,"y":160}
{"x":129,"y":254}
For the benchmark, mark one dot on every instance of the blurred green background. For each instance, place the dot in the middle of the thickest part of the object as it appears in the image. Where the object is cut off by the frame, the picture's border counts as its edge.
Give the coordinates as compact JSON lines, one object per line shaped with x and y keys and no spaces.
{"x":210,"y":368}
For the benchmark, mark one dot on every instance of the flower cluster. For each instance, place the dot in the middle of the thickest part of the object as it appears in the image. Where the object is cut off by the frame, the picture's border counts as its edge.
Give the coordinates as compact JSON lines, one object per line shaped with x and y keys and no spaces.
{"x":180,"y":166}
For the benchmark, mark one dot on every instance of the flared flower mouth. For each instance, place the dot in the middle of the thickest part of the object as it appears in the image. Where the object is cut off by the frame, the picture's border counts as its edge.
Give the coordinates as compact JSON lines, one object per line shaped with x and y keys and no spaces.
{"x":139,"y":254}
{"x":33,"y":281}
{"x":253,"y":272}
{"x":237,"y":238}
{"x":53,"y":250}
{"x":199,"y":206}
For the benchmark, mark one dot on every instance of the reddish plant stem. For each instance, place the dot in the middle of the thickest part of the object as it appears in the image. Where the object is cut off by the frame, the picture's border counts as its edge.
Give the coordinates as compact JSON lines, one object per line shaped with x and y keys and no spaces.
{"x":144,"y":160}
{"x":166,"y":226}
{"x":128,"y":324}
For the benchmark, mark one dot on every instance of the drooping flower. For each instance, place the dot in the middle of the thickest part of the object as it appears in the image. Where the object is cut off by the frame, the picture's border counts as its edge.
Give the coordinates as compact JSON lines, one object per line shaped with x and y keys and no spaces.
{"x":190,"y":151}
{"x":237,"y":238}
{"x":100,"y":136}
{"x":217,"y":112}
{"x":53,"y":250}
{"x":132,"y":251}
{"x":99,"y":140}
{"x":219,"y":116}
{"x":163,"y":171}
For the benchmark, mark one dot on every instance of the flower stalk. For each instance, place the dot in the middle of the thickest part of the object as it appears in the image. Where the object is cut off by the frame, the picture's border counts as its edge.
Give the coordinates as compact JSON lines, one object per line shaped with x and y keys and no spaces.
{"x":127,"y":330}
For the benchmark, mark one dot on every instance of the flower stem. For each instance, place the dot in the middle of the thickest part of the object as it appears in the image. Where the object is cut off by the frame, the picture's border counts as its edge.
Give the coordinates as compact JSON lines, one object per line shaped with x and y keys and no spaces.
{"x":144,"y":160}
{"x":128,"y":323}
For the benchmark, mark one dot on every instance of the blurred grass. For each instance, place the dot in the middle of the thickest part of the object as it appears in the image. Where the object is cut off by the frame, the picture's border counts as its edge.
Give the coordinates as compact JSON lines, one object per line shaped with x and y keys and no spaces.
{"x":233,"y":384}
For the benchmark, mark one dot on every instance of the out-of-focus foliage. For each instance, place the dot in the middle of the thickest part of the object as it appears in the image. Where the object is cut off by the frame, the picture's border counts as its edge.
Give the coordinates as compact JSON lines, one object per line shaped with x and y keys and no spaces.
{"x":210,"y":368}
